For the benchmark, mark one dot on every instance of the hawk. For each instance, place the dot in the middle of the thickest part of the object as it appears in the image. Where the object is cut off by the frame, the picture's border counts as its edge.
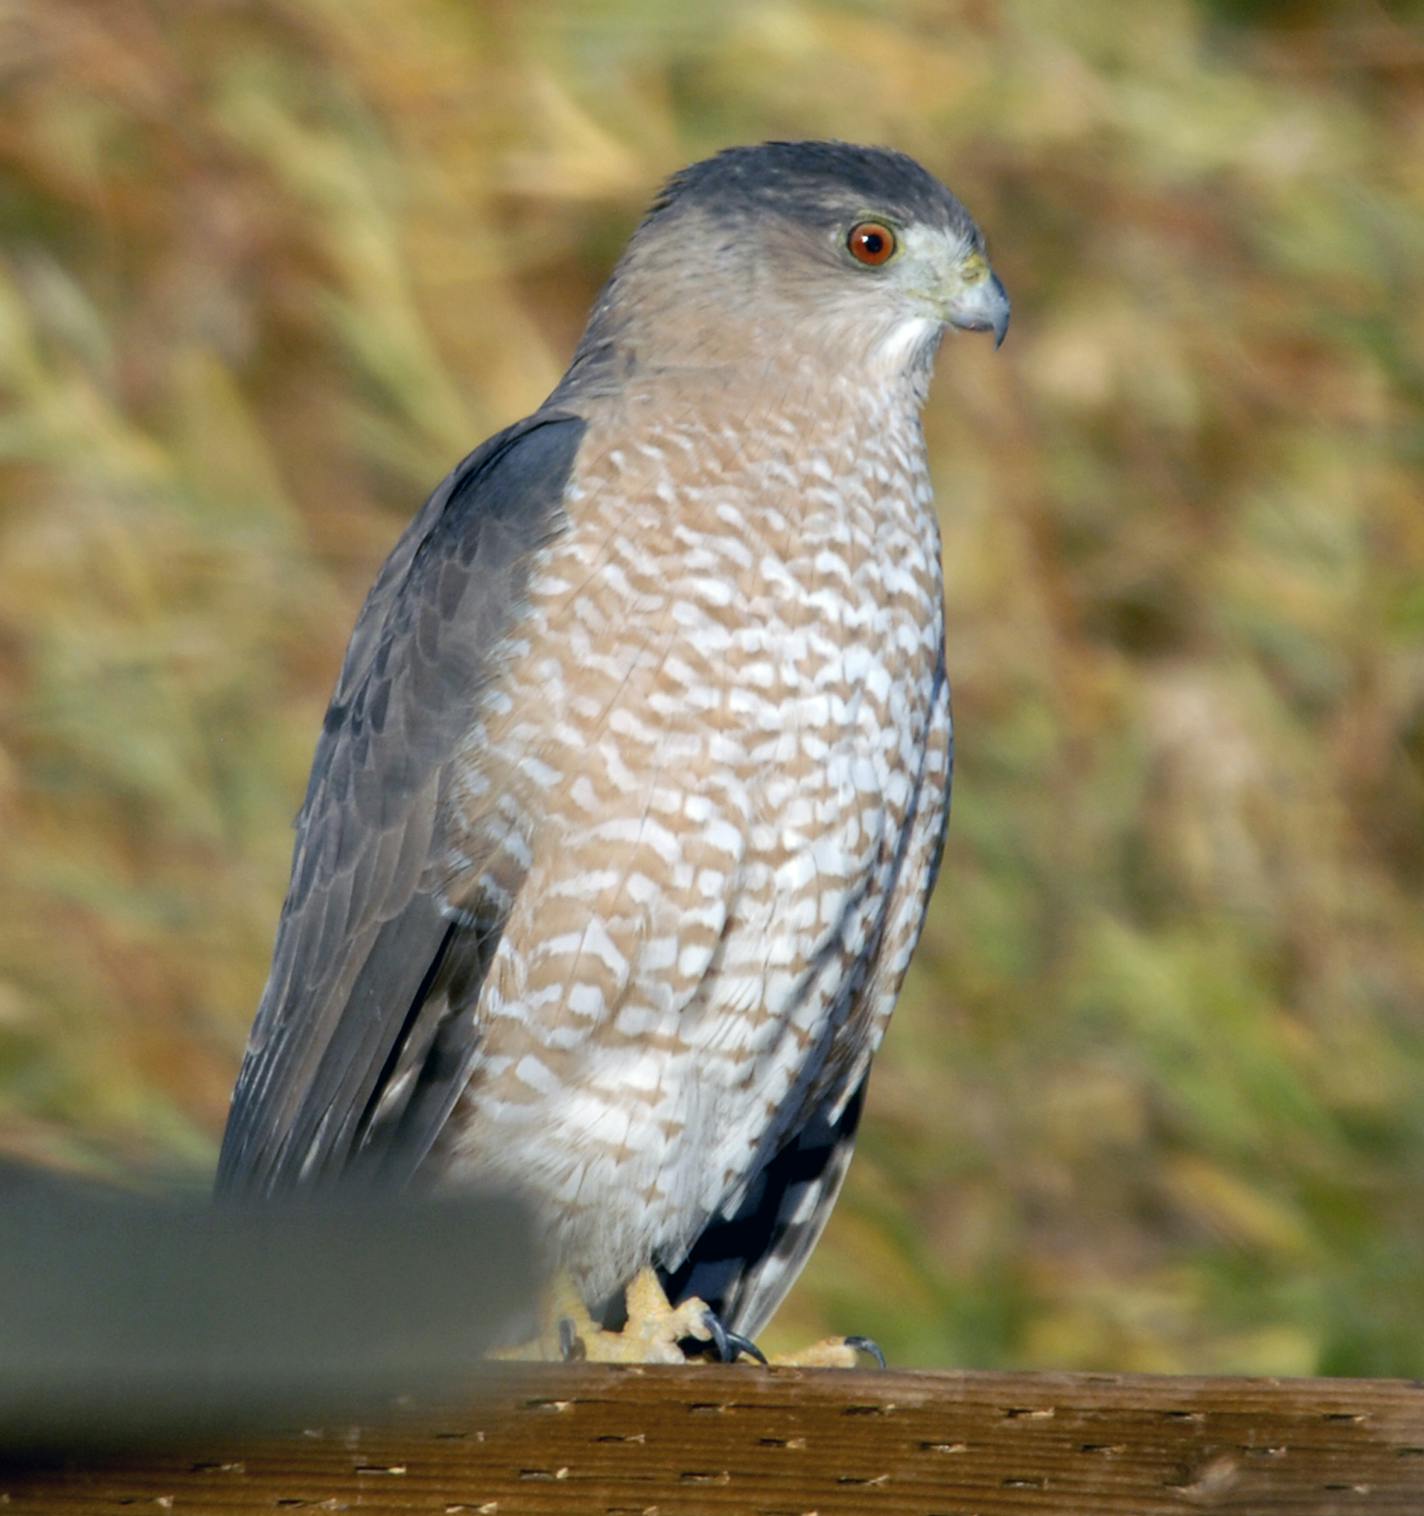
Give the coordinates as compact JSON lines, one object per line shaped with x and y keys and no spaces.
{"x":632,"y":791}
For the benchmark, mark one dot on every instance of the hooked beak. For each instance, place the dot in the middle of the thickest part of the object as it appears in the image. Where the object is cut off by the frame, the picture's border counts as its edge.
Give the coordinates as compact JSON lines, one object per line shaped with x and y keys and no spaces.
{"x":982,"y":306}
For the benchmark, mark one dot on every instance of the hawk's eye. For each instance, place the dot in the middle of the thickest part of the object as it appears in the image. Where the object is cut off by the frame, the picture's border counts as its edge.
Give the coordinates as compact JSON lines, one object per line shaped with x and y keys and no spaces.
{"x":871,"y":242}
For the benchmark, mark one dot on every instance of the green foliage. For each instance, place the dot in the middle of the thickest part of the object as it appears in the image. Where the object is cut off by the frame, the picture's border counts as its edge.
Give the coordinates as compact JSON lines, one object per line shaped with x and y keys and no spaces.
{"x":1155,"y":1095}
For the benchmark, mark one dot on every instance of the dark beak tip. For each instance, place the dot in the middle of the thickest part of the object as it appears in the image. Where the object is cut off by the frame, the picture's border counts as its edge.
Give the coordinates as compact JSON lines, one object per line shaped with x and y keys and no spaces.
{"x":1001,"y":317}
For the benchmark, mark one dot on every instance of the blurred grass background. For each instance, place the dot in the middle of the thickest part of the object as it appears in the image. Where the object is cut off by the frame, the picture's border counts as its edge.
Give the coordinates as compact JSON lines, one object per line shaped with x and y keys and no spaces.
{"x":1155,"y":1095}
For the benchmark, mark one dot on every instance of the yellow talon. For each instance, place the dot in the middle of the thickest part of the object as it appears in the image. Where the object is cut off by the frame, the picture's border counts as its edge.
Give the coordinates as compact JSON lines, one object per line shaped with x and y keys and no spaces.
{"x":654,"y":1330}
{"x":650,"y":1335}
{"x":829,"y":1353}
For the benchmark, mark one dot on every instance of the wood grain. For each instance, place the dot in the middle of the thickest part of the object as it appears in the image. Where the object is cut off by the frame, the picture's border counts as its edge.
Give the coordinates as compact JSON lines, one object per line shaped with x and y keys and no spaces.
{"x":541,"y":1441}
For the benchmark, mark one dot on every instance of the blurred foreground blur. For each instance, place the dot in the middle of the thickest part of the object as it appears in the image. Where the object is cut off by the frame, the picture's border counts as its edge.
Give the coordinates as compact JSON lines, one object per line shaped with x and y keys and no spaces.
{"x":1154,"y":1098}
{"x":132,"y":1319}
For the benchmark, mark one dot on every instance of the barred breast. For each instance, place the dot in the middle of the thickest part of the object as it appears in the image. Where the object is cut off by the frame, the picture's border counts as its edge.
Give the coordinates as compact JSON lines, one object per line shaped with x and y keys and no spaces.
{"x":720,"y":759}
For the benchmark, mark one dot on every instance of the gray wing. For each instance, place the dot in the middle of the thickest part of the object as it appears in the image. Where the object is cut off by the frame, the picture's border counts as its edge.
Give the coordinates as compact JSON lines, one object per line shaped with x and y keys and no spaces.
{"x":742,"y":1265}
{"x":365,"y":1035}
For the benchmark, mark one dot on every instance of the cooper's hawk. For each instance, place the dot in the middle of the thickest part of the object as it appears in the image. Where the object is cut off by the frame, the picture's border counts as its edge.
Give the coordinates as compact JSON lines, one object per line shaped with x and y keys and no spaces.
{"x":627,"y":806}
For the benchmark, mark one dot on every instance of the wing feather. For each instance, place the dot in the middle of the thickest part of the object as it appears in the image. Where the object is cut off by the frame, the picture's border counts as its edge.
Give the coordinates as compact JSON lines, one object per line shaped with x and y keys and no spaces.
{"x":743,"y":1264}
{"x":366,"y":1029}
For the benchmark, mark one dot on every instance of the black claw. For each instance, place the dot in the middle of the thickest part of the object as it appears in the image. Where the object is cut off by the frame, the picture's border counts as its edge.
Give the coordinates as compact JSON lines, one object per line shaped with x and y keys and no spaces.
{"x":740,"y":1344}
{"x":730,"y":1345}
{"x":713,"y":1323}
{"x":570,"y":1348}
{"x":869,"y":1347}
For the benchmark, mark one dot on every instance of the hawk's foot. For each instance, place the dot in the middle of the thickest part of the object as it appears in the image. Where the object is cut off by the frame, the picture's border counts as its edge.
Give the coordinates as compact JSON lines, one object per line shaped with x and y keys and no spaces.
{"x":655,"y":1329}
{"x":832,"y":1353}
{"x":651,"y":1334}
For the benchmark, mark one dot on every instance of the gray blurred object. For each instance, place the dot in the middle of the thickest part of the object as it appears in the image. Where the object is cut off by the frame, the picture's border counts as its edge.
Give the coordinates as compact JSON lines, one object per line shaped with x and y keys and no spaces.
{"x":126,"y":1319}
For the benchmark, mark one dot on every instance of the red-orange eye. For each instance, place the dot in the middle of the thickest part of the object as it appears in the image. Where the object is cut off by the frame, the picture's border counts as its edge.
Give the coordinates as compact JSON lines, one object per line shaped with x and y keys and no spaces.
{"x":871,"y":242}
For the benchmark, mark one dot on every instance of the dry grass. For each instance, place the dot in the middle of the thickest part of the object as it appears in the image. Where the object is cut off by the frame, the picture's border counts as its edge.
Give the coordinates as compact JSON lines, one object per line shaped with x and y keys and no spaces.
{"x":1155,"y":1096}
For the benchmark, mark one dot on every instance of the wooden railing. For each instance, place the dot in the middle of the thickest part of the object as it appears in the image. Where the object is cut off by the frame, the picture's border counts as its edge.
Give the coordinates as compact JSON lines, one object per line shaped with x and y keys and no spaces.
{"x":604,"y":1441}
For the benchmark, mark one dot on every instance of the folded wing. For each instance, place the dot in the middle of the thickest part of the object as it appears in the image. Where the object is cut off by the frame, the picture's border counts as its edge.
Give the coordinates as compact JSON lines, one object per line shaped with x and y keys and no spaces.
{"x":367,"y":1032}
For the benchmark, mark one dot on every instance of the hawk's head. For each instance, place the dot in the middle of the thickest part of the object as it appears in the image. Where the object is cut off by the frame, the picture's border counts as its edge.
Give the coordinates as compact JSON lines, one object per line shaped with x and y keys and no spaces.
{"x":855,"y":254}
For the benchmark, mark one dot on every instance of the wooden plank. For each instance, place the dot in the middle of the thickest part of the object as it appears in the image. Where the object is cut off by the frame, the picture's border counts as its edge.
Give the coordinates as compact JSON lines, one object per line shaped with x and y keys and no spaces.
{"x":600,"y":1441}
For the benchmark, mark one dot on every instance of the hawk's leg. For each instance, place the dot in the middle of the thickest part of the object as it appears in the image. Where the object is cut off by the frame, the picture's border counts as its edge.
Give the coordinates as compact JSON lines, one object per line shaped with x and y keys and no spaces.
{"x":651,"y":1334}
